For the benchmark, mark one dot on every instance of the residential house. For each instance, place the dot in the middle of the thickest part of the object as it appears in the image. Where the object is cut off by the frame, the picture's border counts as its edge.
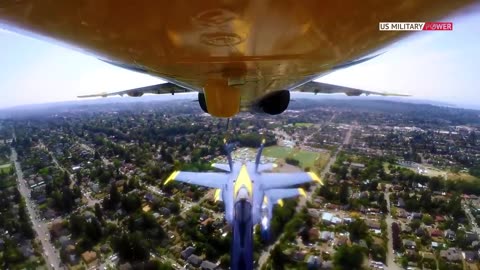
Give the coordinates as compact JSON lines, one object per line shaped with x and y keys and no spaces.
{"x":400,"y":203}
{"x":436,"y":245}
{"x":314,"y":213}
{"x":402,"y":213}
{"x":327,"y":265}
{"x":90,"y":258}
{"x":436,"y":233}
{"x":125,"y":266}
{"x":373,"y":224}
{"x":299,"y":256}
{"x":409,"y":244}
{"x":428,"y":255}
{"x":26,"y":249}
{"x":416,"y":215}
{"x":470,"y":237}
{"x":470,"y":256}
{"x":314,"y":262}
{"x":326,"y":235}
{"x":451,"y":254}
{"x":187,"y":252}
{"x":439,"y":219}
{"x":341,"y":240}
{"x":313,"y":234}
{"x":450,"y":235}
{"x":359,"y":166}
{"x":420,"y":232}
{"x":207,"y":265}
{"x":194,"y":260}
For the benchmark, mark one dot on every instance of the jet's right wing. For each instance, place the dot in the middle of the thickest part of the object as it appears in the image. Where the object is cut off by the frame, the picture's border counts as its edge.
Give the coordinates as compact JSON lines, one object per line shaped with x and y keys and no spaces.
{"x":266,"y":167}
{"x":163,"y":88}
{"x":276,"y":195}
{"x":205,"y":179}
{"x":285,"y":180}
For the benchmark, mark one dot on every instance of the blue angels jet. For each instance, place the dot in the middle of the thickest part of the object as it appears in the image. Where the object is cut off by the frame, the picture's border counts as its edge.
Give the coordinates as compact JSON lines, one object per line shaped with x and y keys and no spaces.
{"x":249,"y":193}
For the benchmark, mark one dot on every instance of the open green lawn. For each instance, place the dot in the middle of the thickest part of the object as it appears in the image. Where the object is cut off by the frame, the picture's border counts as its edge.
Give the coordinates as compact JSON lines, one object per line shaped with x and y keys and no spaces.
{"x":461,"y":176}
{"x":432,"y":172}
{"x":306,"y":158}
{"x":277,"y":151}
{"x":303,"y":124}
{"x":5,"y":167}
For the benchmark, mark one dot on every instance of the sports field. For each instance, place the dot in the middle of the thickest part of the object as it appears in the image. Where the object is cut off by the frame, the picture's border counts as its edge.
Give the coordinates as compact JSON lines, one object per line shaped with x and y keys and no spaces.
{"x":303,"y":124}
{"x":307,"y":158}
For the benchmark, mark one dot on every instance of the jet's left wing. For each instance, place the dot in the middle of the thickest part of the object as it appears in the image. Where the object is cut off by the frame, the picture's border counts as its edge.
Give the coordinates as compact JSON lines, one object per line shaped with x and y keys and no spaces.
{"x":205,"y":179}
{"x":163,"y":88}
{"x":223,"y":167}
{"x":284,"y":180}
{"x":325,"y":88}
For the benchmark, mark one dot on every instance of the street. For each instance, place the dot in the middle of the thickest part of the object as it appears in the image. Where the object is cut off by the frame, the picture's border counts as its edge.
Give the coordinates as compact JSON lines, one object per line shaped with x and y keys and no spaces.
{"x":470,"y":217}
{"x":50,"y":254}
{"x":391,"y":264}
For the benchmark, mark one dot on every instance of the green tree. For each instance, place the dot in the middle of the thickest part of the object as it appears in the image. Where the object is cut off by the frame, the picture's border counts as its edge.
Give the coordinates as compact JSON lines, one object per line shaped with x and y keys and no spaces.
{"x":358,"y":230}
{"x":348,"y":258}
{"x":344,"y":193}
{"x":98,"y":212}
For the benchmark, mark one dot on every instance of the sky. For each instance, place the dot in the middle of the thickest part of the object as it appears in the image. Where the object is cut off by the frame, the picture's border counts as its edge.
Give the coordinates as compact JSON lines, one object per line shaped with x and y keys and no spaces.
{"x":439,"y":65}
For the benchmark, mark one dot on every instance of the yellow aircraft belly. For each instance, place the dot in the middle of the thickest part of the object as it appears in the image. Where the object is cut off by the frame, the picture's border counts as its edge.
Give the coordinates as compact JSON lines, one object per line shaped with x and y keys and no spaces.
{"x":256,"y":46}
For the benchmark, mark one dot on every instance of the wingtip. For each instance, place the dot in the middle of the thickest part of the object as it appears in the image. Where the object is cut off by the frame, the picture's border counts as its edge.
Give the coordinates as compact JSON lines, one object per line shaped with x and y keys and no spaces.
{"x":315,"y":177}
{"x":302,"y":192}
{"x":280,"y":202}
{"x":171,"y":177}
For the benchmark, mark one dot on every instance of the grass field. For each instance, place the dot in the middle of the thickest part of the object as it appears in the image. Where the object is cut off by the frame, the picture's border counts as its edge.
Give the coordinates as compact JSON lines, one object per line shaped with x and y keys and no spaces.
{"x":5,"y":167}
{"x":432,"y":172}
{"x":277,"y":151}
{"x":461,"y":176}
{"x":303,"y":124}
{"x":306,"y":158}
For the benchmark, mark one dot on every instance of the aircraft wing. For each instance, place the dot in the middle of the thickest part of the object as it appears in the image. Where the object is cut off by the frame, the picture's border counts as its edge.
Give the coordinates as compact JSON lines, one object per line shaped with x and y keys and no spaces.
{"x":266,"y":167}
{"x":276,"y":195}
{"x":163,"y":88}
{"x":325,"y":88}
{"x":205,"y":179}
{"x":284,"y":180}
{"x":220,"y":166}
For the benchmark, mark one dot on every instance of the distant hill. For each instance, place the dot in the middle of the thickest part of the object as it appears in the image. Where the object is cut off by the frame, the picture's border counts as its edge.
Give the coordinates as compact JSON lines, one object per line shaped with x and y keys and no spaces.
{"x":300,"y":101}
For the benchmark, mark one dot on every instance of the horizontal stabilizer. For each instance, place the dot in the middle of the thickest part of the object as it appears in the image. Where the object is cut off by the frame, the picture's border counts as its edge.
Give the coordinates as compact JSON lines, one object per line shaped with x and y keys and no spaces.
{"x":163,"y":88}
{"x":325,"y":88}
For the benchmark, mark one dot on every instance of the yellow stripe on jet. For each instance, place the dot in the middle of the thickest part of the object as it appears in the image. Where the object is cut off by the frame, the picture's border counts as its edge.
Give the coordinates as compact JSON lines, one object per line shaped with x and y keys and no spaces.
{"x":218,"y":193}
{"x":243,"y":180}
{"x":171,"y":177}
{"x":280,"y":202}
{"x":315,"y":177}
{"x":302,"y":192}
